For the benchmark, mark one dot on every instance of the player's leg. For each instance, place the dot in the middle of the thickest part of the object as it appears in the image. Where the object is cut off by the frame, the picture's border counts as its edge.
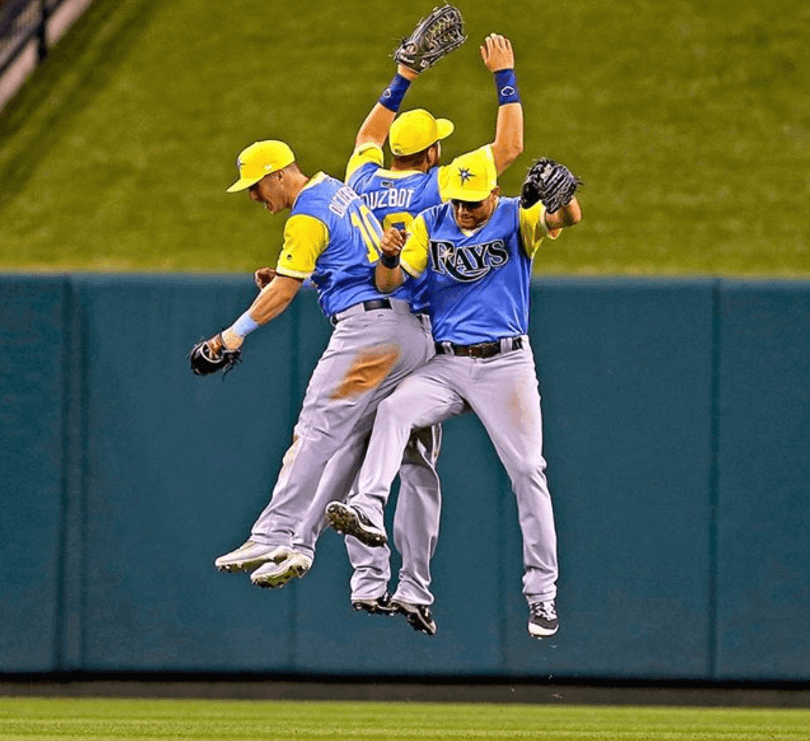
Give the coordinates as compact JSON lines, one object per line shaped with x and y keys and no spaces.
{"x":337,"y":479}
{"x":417,"y":515}
{"x":421,"y":400}
{"x":507,"y":400}
{"x":366,"y":357}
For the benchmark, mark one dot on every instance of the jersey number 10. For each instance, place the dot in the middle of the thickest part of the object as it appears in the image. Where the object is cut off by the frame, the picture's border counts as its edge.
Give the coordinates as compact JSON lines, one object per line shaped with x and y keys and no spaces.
{"x":369,"y":231}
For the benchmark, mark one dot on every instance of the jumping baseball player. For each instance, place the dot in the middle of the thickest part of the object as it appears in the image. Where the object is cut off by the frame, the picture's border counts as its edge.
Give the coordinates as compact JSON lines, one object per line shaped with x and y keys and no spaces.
{"x":476,"y":254}
{"x":331,"y":238}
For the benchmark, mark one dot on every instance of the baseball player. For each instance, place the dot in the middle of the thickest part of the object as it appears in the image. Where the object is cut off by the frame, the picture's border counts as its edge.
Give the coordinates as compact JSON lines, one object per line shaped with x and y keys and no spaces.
{"x":331,"y":238}
{"x":476,"y":254}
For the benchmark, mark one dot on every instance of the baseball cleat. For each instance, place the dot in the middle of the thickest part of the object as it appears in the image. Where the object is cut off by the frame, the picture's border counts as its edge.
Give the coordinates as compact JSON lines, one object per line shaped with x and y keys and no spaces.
{"x":378,"y":606}
{"x":419,"y":617}
{"x":543,"y":620}
{"x":274,"y":575}
{"x":250,"y":555}
{"x":349,"y":520}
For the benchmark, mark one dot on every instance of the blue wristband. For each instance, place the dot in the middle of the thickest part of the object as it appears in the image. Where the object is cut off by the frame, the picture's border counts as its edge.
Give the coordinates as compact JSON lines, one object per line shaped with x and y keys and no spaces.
{"x":507,"y":87}
{"x":392,"y":95}
{"x":244,"y":325}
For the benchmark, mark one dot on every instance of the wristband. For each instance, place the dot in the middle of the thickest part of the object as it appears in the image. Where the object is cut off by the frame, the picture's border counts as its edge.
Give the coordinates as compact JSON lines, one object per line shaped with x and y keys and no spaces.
{"x":244,"y":325}
{"x":392,"y":95}
{"x":389,"y":261}
{"x":506,"y":84}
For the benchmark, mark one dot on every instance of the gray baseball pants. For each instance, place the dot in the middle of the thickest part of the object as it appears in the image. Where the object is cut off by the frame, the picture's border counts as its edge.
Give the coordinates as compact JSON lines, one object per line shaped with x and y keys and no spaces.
{"x":368,"y":354}
{"x":503,"y":392}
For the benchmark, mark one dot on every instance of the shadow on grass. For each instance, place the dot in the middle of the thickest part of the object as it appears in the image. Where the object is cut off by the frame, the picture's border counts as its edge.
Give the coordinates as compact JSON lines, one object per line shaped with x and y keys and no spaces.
{"x":78,"y":67}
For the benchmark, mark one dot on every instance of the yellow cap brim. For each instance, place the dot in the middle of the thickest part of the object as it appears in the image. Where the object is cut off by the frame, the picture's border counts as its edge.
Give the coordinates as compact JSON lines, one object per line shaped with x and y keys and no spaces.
{"x":243,"y":184}
{"x":444,"y":127}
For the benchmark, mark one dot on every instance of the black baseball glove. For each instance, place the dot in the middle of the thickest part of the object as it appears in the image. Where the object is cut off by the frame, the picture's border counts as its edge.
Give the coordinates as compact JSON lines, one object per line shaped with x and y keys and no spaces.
{"x":551,"y":183}
{"x":433,"y":38}
{"x":204,"y":361}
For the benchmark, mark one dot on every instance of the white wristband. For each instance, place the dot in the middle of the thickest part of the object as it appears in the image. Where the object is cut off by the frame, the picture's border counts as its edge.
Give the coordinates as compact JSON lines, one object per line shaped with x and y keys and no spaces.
{"x":244,"y":325}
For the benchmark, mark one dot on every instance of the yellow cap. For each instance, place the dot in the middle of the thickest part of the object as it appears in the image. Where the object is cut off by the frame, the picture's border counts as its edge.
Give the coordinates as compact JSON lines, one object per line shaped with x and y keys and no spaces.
{"x":472,"y":177}
{"x":416,"y":130}
{"x":260,"y":159}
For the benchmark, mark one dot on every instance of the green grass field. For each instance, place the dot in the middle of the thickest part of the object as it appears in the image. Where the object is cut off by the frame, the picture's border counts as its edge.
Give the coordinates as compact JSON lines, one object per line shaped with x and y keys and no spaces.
{"x":103,"y":719}
{"x":689,"y":122}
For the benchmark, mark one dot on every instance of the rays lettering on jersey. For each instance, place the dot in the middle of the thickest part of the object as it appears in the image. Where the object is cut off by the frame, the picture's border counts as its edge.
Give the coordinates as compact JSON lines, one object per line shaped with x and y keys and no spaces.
{"x":389,"y":198}
{"x":469,"y":263}
{"x":341,"y":200}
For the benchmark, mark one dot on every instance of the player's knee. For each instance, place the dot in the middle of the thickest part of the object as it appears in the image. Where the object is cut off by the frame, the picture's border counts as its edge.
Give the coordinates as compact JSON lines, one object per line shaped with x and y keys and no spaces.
{"x":529,"y":469}
{"x":392,"y":412}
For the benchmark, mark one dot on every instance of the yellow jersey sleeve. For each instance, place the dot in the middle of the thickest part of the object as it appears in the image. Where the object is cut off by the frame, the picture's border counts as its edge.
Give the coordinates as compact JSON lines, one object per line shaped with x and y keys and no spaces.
{"x":533,"y":228}
{"x":444,"y":170}
{"x":414,"y":255}
{"x":305,"y":238}
{"x":367,"y":152}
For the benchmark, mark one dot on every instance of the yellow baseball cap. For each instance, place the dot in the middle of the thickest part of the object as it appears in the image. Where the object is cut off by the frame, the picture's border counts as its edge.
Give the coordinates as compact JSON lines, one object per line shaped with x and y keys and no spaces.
{"x":260,"y":159}
{"x":472,"y":177}
{"x":416,"y":130}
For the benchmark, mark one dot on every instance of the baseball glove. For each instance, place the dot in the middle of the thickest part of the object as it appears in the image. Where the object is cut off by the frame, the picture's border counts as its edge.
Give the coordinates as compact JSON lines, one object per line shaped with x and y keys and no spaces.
{"x":433,"y":38}
{"x":550,"y":182}
{"x":204,"y":361}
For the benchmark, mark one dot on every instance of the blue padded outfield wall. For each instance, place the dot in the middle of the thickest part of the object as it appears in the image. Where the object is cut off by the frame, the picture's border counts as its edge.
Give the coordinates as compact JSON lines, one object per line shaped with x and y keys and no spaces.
{"x":677,"y":430}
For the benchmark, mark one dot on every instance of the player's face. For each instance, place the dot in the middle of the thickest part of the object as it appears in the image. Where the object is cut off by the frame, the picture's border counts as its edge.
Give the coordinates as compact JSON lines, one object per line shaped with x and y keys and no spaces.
{"x":269,"y":191}
{"x":472,"y":214}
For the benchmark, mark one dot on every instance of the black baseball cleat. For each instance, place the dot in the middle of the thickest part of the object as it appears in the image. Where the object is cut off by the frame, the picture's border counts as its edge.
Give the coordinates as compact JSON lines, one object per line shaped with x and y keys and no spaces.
{"x":543,"y":620}
{"x":418,"y":616}
{"x":349,"y":520}
{"x":378,"y":606}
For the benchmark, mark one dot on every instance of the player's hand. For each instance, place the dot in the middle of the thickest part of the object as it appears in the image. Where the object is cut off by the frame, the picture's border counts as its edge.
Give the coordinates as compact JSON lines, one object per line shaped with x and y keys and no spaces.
{"x":497,"y":53}
{"x":263,"y":276}
{"x":392,"y":241}
{"x":227,"y":340}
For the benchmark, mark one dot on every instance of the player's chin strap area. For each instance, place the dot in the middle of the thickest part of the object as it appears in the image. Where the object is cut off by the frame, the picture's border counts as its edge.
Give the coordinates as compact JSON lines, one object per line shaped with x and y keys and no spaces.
{"x":483,"y":349}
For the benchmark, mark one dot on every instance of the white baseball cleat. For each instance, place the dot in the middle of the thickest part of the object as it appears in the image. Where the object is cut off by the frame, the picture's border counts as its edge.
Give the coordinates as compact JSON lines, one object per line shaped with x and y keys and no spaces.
{"x":250,"y":555}
{"x":274,"y":575}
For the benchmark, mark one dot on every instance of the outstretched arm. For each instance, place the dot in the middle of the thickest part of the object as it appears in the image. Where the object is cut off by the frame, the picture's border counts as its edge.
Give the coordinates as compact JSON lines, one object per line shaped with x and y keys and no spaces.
{"x":272,"y":301}
{"x":375,"y":128}
{"x":500,"y":60}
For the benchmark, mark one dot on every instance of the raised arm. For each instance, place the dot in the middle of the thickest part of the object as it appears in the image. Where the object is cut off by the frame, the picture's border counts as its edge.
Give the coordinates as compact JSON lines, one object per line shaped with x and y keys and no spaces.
{"x":500,"y":60}
{"x":375,"y":128}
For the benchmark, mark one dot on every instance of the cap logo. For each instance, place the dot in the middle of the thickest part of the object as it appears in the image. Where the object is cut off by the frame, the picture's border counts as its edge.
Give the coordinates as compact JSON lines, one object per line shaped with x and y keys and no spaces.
{"x":239,"y":164}
{"x":464,"y":174}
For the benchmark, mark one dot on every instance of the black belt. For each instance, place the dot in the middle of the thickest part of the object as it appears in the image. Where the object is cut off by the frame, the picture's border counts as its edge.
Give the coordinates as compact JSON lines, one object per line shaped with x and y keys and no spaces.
{"x":481,"y":350}
{"x":370,"y":305}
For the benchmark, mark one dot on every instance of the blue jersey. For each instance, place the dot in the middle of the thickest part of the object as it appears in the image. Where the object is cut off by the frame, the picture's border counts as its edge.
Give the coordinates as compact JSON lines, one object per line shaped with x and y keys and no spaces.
{"x":478,"y":282}
{"x":395,"y":198}
{"x":331,"y":238}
